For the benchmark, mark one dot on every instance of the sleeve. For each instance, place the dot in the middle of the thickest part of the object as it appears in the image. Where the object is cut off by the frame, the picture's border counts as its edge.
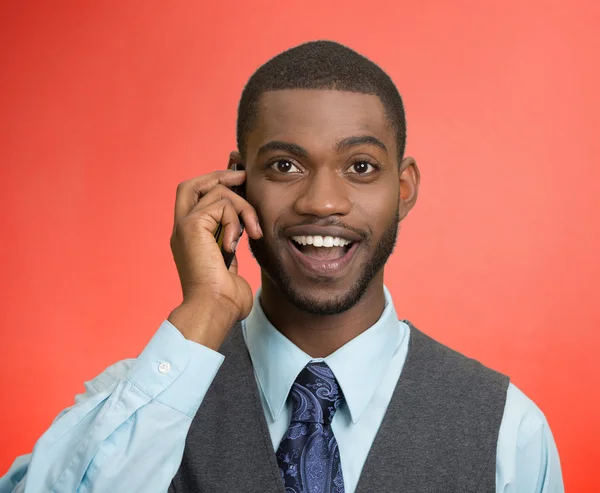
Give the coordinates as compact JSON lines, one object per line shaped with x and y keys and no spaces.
{"x":127,"y":431}
{"x":527,"y":456}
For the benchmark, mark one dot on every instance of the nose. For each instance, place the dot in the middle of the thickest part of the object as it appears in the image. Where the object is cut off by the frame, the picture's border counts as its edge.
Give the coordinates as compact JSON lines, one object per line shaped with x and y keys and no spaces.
{"x":325,"y":193}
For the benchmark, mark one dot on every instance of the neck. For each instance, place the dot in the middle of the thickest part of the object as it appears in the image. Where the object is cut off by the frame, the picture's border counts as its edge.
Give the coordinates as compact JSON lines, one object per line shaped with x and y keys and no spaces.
{"x":320,"y":335}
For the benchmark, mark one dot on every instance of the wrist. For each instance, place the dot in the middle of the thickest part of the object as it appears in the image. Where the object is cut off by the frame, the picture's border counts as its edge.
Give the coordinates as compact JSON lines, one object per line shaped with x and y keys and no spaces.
{"x":205,"y":323}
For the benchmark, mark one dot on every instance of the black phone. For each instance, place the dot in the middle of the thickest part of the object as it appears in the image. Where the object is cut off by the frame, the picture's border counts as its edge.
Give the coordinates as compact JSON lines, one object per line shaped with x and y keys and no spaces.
{"x":220,"y":231}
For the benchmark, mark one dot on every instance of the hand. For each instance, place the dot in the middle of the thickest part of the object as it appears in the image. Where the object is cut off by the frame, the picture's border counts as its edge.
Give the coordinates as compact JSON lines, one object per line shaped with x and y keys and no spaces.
{"x":214,"y":298}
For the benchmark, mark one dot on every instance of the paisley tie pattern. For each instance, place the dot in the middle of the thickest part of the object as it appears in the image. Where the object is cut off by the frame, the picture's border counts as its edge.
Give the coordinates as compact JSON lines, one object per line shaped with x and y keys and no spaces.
{"x":308,"y":455}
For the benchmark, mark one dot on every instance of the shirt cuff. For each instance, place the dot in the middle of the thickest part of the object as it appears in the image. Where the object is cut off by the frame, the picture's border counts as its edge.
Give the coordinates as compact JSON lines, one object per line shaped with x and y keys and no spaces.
{"x":174,"y":370}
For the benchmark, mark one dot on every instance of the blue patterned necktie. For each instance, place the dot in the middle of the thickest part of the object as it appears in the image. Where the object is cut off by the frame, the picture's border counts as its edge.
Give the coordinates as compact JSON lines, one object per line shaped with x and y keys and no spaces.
{"x":308,"y":455}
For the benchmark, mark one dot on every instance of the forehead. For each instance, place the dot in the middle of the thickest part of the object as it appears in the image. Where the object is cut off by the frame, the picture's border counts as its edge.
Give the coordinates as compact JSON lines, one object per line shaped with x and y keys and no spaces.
{"x":319,"y":116}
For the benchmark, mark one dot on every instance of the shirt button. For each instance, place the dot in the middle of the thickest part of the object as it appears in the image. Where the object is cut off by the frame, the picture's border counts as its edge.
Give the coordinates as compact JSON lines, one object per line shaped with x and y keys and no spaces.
{"x":164,"y":367}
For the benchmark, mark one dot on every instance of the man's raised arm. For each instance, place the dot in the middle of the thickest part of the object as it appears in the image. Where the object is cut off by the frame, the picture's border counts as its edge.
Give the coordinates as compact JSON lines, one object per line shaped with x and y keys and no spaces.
{"x":127,"y":432}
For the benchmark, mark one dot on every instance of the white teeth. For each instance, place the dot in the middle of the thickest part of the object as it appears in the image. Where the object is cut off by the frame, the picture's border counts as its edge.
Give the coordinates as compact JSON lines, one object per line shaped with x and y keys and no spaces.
{"x":321,"y":241}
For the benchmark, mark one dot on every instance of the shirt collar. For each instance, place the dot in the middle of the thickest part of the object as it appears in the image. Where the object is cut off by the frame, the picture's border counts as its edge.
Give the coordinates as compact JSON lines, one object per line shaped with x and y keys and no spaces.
{"x":358,"y":366}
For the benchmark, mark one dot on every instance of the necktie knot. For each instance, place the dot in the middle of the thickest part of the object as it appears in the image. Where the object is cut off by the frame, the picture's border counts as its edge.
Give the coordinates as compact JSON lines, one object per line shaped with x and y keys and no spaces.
{"x":316,"y":395}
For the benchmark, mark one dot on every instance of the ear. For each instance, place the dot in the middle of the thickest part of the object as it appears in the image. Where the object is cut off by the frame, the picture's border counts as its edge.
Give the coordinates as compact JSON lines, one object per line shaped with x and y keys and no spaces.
{"x":234,"y":157}
{"x":410,"y":178}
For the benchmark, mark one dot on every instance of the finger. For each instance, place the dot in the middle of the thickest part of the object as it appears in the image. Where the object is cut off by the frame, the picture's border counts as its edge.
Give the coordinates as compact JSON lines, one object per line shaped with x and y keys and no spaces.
{"x":242,"y":206}
{"x":233,"y":268}
{"x":221,"y":212}
{"x":189,"y":192}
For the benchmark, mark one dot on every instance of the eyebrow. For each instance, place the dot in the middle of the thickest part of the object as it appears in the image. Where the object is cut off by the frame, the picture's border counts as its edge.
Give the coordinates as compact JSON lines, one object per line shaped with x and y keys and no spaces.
{"x":360,"y":140}
{"x":279,"y":145}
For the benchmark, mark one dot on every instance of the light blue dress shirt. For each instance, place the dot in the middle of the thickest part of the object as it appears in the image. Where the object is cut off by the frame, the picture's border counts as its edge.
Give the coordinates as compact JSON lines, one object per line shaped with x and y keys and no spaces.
{"x":127,"y":432}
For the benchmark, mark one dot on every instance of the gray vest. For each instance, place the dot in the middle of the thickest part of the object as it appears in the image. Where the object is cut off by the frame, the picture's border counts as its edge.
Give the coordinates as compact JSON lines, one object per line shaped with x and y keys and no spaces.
{"x":439,"y":433}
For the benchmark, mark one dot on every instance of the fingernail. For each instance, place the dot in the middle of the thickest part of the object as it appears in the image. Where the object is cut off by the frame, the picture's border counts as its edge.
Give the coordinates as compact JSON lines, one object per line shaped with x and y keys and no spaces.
{"x":233,"y":245}
{"x":259,"y":229}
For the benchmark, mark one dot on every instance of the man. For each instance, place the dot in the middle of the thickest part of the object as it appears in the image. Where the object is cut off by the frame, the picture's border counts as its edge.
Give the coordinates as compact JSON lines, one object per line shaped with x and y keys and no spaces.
{"x":318,"y":387}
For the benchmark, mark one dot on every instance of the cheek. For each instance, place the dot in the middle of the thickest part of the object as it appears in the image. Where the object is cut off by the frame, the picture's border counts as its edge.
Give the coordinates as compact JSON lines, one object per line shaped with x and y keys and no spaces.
{"x":378,"y":209}
{"x":378,"y":212}
{"x":268,"y":207}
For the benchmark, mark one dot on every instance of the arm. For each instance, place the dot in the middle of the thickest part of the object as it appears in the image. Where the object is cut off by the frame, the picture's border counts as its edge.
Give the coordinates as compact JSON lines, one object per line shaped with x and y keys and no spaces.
{"x":539,"y":449}
{"x":127,"y":432}
{"x":527,"y":457}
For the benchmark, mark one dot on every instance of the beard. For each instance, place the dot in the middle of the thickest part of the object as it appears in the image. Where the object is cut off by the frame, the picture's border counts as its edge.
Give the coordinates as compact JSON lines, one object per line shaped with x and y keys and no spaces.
{"x":271,"y":264}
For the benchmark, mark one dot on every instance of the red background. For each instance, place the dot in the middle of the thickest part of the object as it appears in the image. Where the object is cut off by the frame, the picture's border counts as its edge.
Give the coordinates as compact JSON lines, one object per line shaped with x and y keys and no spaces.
{"x":106,"y":106}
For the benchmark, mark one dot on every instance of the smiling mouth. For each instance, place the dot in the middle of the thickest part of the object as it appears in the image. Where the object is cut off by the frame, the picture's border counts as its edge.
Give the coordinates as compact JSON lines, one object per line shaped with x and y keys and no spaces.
{"x":322,"y":252}
{"x":320,"y":261}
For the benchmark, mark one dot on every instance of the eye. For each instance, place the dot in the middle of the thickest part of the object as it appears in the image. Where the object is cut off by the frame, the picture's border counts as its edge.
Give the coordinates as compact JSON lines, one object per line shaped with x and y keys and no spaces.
{"x":284,"y":166}
{"x":362,"y":167}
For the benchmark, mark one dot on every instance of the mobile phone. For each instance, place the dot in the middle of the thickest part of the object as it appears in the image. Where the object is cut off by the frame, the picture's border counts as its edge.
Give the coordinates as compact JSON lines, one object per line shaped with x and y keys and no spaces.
{"x":219,"y":233}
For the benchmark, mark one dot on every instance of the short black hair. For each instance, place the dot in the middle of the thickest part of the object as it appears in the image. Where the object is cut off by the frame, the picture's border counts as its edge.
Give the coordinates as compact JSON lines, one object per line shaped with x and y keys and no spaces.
{"x":321,"y":65}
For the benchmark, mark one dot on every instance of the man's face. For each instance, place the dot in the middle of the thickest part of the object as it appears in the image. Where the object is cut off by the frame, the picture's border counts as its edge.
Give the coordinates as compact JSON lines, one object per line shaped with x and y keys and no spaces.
{"x":323,"y":164}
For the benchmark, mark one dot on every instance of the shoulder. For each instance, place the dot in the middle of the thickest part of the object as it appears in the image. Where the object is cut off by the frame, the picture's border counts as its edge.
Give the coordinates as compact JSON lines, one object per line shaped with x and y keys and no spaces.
{"x":447,"y":363}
